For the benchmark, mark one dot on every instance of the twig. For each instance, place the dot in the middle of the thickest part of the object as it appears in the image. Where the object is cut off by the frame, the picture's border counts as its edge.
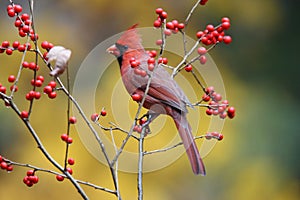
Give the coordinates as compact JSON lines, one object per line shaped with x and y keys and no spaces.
{"x":169,"y":148}
{"x":140,"y":164}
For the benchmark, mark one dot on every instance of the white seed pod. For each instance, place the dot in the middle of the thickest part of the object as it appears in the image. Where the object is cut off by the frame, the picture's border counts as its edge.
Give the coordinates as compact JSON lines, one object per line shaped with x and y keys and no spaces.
{"x":61,"y":56}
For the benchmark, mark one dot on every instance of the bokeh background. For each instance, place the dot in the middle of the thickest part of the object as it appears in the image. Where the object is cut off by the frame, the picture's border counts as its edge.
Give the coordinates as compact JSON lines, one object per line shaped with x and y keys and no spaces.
{"x":259,"y":157}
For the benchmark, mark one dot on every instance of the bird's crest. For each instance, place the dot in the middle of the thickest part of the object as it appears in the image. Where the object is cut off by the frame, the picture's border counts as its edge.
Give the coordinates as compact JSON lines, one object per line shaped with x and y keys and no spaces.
{"x":131,"y":38}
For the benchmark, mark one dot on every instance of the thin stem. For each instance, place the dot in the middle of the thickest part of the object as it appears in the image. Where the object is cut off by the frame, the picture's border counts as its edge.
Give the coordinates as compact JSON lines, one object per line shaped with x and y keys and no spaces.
{"x":171,"y":147}
{"x":191,"y":12}
{"x":140,"y":165}
{"x":68,"y":121}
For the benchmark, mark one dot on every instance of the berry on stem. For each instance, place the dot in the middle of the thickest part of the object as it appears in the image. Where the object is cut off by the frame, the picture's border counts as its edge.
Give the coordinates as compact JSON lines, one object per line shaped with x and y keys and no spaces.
{"x":24,"y":114}
{"x":60,"y":178}
{"x":94,"y":117}
{"x":73,"y":120}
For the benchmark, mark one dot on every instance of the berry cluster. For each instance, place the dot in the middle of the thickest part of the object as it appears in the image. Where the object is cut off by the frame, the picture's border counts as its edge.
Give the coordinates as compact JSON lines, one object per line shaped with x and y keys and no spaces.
{"x":22,"y":21}
{"x":212,"y":35}
{"x":30,"y":179}
{"x":50,"y":89}
{"x":95,"y":116}
{"x":5,"y":165}
{"x":216,"y":106}
{"x":64,"y":137}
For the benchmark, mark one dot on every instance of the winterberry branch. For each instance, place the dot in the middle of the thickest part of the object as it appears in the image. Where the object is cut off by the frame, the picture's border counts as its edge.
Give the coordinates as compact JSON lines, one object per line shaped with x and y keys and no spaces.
{"x":37,"y":169}
{"x":45,"y":152}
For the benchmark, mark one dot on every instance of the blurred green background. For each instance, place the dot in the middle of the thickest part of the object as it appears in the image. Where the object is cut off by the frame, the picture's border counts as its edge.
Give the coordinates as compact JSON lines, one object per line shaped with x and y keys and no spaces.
{"x":259,"y":157}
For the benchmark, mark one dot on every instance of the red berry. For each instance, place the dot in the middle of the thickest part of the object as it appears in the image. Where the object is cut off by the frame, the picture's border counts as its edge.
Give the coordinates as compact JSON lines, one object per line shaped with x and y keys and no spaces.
{"x":9,"y":51}
{"x":9,"y":7}
{"x":18,"y":23}
{"x":18,"y":8}
{"x":188,"y":68}
{"x":159,"y":11}
{"x":14,"y":88}
{"x":26,"y":28}
{"x":5,"y":44}
{"x":52,"y":84}
{"x":1,"y":158}
{"x":11,"y":78}
{"x":231,"y":112}
{"x":94,"y":117}
{"x":199,"y":34}
{"x":226,"y":25}
{"x":153,"y":53}
{"x":32,"y":66}
{"x":163,"y":15}
{"x":223,"y":115}
{"x":136,"y":97}
{"x":22,"y":33}
{"x":50,"y":45}
{"x":70,"y":170}
{"x":151,"y":61}
{"x":52,"y":95}
{"x":9,"y":168}
{"x":210,"y":27}
{"x":72,"y":120}
{"x":71,"y":161}
{"x":103,"y":112}
{"x":3,"y":89}
{"x":170,"y":25}
{"x":45,"y":45}
{"x":205,"y":97}
{"x":3,"y":165}
{"x":209,"y":111}
{"x":34,"y":36}
{"x":24,"y":114}
{"x":202,"y":50}
{"x":157,"y":23}
{"x":48,"y":89}
{"x":151,"y":67}
{"x":34,"y":179}
{"x":217,"y":97}
{"x":25,"y":16}
{"x":180,"y":26}
{"x":202,"y":59}
{"x":41,"y":78}
{"x":64,"y":137}
{"x":225,"y":19}
{"x":16,"y":44}
{"x":11,"y":12}
{"x":165,"y":61}
{"x":69,"y":140}
{"x":38,"y":83}
{"x":203,"y":2}
{"x":22,"y":48}
{"x":227,"y":39}
{"x":37,"y":95}
{"x":134,"y":64}
{"x":60,"y":178}
{"x":30,"y":172}
{"x":167,"y":32}
{"x":159,"y":42}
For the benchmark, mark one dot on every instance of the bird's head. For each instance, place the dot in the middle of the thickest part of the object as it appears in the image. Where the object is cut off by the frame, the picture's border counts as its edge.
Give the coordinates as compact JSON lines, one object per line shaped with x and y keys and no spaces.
{"x":129,"y":40}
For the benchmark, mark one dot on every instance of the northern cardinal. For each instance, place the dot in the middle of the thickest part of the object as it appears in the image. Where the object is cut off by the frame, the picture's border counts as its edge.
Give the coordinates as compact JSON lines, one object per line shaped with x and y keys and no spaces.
{"x":164,"y":95}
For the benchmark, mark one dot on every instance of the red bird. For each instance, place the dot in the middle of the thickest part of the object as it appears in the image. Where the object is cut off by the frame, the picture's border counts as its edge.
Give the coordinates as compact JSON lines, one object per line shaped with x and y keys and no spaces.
{"x":164,"y":95}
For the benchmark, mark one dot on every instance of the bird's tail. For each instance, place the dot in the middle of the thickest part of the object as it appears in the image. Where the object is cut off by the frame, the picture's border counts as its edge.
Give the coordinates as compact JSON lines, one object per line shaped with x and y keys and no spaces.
{"x":187,"y":138}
